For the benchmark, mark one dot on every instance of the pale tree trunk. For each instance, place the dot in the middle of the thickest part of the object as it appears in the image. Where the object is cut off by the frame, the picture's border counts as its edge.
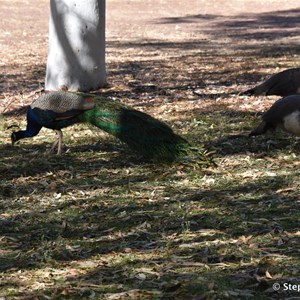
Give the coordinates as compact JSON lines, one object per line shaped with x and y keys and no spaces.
{"x":76,"y":53}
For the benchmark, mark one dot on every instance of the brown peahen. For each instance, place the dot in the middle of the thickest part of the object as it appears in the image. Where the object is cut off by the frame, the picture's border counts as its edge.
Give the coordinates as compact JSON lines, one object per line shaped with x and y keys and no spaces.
{"x":282,"y":84}
{"x":284,"y":113}
{"x":141,"y":132}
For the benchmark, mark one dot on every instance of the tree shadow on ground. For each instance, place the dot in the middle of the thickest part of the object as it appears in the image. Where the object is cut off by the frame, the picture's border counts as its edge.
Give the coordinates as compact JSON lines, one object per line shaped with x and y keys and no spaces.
{"x":122,"y":225}
{"x":104,"y":225}
{"x":246,"y":27}
{"x":243,"y":29}
{"x":21,"y":78}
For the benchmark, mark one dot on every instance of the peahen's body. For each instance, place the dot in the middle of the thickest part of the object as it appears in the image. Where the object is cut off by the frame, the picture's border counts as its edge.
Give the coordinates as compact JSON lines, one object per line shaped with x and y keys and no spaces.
{"x":283,"y":84}
{"x":284,"y":113}
{"x":141,"y":132}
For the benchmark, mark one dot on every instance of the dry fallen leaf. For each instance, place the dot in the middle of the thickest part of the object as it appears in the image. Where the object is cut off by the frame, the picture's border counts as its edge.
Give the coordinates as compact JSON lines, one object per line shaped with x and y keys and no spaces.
{"x":268,"y":275}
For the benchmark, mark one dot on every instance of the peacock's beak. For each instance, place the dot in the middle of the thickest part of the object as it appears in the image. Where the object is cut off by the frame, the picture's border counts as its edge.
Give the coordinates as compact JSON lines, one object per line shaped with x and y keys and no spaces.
{"x":13,"y":138}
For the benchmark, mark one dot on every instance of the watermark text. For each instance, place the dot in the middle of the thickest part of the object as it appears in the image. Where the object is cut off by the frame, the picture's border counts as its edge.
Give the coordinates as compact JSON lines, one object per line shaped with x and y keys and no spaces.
{"x":286,"y":287}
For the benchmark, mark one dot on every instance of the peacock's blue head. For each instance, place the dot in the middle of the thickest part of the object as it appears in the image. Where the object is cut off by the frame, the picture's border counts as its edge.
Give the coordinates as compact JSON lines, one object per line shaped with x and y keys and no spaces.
{"x":15,"y":136}
{"x":31,"y":130}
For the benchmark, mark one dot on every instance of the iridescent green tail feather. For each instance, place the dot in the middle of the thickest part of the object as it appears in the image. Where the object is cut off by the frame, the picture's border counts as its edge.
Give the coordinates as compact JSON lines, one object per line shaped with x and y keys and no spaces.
{"x":141,"y":132}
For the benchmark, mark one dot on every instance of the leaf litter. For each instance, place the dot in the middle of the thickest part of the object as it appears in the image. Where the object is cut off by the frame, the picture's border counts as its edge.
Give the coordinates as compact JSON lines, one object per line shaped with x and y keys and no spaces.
{"x":99,"y":222}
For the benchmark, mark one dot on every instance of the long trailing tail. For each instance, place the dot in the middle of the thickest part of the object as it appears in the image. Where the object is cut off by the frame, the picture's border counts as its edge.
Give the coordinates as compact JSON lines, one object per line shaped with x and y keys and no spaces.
{"x":141,"y":132}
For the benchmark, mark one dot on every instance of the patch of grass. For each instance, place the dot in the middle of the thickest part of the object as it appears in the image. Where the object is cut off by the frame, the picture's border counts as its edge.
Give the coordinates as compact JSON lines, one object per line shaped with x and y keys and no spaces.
{"x":99,"y":221}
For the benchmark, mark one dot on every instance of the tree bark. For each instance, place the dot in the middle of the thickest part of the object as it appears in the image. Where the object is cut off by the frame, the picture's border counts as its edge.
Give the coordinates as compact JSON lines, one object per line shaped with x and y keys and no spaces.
{"x":76,"y":51}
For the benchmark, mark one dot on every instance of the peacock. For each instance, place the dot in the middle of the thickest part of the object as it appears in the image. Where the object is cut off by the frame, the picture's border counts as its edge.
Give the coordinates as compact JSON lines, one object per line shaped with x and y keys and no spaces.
{"x":284,"y":113}
{"x":141,"y":132}
{"x":282,"y":84}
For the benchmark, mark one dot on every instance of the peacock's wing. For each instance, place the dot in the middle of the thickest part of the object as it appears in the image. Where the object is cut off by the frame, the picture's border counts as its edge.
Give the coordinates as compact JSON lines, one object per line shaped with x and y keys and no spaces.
{"x":63,"y":102}
{"x":282,"y":108}
{"x":57,"y":110}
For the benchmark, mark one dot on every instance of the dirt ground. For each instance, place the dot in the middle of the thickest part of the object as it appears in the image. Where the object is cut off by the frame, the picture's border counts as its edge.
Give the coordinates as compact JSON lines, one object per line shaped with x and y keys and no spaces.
{"x":98,"y":222}
{"x":212,"y":48}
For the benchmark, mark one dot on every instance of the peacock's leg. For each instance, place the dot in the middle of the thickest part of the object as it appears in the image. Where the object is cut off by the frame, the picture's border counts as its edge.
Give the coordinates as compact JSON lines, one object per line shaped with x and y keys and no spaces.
{"x":57,"y":142}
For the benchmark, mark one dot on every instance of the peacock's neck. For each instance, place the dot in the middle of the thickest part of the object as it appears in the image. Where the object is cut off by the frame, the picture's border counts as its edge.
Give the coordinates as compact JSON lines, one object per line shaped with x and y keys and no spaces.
{"x":32,"y":129}
{"x":22,"y":134}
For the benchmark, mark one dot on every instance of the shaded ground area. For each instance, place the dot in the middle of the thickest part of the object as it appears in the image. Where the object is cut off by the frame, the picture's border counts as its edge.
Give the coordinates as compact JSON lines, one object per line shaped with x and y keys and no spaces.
{"x":100,"y":222}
